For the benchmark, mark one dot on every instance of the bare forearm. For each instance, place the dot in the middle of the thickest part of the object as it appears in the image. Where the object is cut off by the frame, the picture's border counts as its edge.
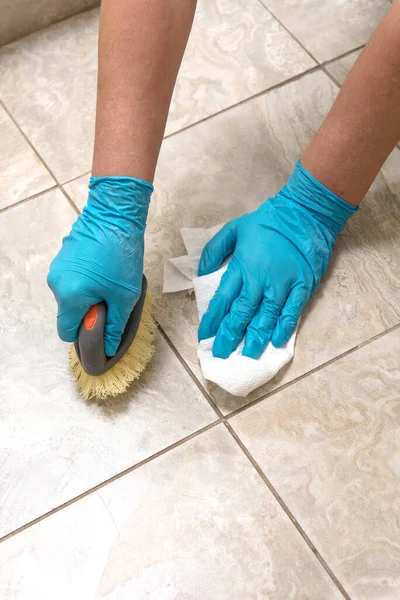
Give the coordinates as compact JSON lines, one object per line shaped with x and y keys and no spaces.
{"x":141,"y":44}
{"x":363,"y":125}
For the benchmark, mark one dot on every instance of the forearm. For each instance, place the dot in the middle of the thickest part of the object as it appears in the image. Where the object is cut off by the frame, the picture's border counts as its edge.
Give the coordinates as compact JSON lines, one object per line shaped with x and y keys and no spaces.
{"x":363,"y":125}
{"x":141,"y":44}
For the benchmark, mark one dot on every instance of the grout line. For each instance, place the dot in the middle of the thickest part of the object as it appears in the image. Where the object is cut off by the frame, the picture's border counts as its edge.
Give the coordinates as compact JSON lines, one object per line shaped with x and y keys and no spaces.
{"x":288,"y":31}
{"x":340,"y":56}
{"x":72,"y":203}
{"x":287,"y":511}
{"x":331,"y":77}
{"x":257,"y":95}
{"x":317,"y":67}
{"x":6,"y":208}
{"x":110,"y":480}
{"x":9,"y":113}
{"x":75,"y":178}
{"x":191,"y":374}
{"x":311,"y":371}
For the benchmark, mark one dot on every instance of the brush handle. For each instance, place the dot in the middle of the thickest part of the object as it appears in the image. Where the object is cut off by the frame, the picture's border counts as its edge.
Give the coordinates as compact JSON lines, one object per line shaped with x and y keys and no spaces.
{"x":90,"y":344}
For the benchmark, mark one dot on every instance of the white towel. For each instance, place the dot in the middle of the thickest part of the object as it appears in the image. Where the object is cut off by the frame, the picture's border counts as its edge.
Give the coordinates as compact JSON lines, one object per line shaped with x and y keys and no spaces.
{"x":238,"y":375}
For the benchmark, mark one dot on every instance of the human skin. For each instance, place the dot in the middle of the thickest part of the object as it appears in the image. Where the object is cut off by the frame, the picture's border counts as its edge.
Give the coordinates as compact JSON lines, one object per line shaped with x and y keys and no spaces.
{"x":363,"y":125}
{"x":141,"y":44}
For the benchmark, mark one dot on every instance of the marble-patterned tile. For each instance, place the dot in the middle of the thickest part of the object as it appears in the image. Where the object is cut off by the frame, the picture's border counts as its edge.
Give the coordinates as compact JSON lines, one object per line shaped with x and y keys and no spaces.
{"x":56,"y":68}
{"x":77,"y":190}
{"x":235,"y":50}
{"x":22,"y":172}
{"x":20,"y":17}
{"x":341,"y":67}
{"x":197,"y":522}
{"x":227,"y":166}
{"x":54,"y":445}
{"x":329,"y":444}
{"x":328,"y":28}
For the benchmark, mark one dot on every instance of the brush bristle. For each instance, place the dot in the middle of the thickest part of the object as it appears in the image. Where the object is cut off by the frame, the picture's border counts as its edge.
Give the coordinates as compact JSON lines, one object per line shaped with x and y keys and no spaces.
{"x":117,"y":379}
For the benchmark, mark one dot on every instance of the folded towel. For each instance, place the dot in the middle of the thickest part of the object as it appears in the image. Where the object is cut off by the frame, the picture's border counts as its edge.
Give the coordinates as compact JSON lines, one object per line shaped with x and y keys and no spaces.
{"x":238,"y":375}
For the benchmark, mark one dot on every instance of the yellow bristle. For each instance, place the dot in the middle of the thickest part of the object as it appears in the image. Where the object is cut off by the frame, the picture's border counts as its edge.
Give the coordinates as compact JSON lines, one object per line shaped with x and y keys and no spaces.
{"x":117,"y":379}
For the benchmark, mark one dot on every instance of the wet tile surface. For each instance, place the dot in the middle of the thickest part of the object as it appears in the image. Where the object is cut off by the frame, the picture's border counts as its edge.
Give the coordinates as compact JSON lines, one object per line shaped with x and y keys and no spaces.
{"x":22,"y":172}
{"x":330,"y":446}
{"x":331,"y":27}
{"x":54,"y":445}
{"x":197,"y":522}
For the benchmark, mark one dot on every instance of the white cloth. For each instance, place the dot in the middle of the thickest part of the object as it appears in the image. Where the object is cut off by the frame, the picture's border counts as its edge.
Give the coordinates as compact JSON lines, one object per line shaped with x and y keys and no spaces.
{"x":238,"y":375}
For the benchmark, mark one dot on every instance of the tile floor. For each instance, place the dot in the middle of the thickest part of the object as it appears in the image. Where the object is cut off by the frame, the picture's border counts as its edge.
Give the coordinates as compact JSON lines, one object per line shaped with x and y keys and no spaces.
{"x":178,"y":490}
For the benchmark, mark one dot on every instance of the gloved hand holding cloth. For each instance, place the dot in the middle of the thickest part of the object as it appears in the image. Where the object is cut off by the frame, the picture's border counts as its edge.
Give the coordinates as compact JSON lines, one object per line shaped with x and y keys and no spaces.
{"x":279,"y":254}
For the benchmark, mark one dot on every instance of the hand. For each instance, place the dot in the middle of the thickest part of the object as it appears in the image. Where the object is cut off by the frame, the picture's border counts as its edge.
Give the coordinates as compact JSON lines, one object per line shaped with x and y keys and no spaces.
{"x":280,"y":252}
{"x":102,"y":258}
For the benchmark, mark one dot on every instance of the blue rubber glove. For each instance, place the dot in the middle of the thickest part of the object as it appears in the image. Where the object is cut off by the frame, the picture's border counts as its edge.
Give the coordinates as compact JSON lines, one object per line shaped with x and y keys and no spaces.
{"x":280,"y":252}
{"x":102,"y":258}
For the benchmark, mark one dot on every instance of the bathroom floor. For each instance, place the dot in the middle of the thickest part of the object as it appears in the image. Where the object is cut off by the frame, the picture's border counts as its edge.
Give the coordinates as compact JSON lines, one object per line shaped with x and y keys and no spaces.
{"x":176,"y":489}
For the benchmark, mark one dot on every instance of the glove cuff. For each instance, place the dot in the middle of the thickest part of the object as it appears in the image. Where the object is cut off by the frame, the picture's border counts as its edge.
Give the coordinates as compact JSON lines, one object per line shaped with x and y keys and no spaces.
{"x":323,"y":204}
{"x":120,"y":197}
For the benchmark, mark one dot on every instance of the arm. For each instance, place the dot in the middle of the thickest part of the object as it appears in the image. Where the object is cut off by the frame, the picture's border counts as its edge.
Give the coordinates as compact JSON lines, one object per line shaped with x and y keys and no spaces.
{"x":281,"y":251}
{"x":363,"y":125}
{"x":141,"y":44}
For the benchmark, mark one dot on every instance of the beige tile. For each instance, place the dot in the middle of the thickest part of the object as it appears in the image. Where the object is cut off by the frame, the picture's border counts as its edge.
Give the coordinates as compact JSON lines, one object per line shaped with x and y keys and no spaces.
{"x":236,"y":50}
{"x":54,"y":444}
{"x":22,"y":172}
{"x":341,"y":68}
{"x":196,"y":523}
{"x":228,"y":165}
{"x":330,"y":446}
{"x":329,"y":28}
{"x":55,"y":68}
{"x":77,"y":190}
{"x":20,"y":17}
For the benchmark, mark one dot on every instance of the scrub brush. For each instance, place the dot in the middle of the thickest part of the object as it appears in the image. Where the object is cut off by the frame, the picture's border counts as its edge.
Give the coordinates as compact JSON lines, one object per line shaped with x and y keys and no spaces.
{"x":99,"y":376}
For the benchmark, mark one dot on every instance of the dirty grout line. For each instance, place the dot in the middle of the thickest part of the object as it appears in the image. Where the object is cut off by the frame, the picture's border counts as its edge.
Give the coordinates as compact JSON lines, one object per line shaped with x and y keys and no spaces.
{"x":287,"y":511}
{"x":110,"y":480}
{"x":311,"y":372}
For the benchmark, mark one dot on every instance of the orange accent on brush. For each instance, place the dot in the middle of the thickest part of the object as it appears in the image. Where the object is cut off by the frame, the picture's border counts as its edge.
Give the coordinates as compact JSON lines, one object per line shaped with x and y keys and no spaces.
{"x":90,"y":318}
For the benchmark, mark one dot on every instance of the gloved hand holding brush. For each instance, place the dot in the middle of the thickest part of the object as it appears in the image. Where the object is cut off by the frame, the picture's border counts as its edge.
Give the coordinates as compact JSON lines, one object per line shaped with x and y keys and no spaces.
{"x":102,"y":258}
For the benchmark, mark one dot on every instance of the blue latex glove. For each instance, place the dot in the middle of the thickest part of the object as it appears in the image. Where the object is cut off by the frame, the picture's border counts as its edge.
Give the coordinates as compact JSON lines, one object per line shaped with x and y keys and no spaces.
{"x":280,"y":253}
{"x":102,"y":258}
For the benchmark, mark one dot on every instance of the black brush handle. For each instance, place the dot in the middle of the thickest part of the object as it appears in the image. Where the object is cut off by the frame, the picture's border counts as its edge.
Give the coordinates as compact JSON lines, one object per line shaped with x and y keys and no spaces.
{"x":90,"y":344}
